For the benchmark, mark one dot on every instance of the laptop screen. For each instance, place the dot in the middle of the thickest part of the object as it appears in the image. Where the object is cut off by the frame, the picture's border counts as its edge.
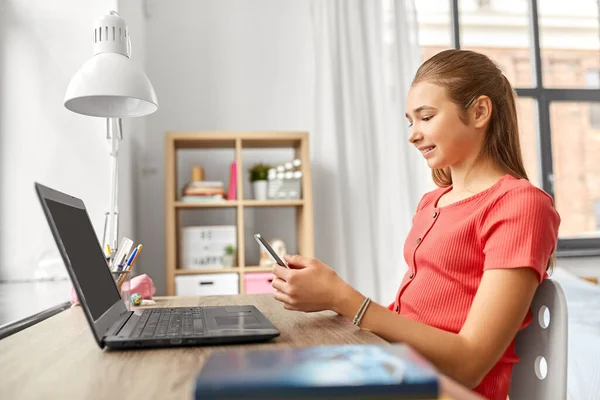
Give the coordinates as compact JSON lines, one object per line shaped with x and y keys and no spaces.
{"x":86,"y":257}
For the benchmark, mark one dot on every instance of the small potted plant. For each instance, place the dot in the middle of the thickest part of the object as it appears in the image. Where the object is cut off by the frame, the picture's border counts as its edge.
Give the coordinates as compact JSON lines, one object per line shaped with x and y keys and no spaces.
{"x":228,"y":256}
{"x":258,"y":177}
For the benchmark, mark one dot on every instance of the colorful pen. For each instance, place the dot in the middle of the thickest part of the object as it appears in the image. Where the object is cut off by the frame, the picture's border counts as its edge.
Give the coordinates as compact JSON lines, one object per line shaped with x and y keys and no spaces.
{"x":121,"y":263}
{"x":139,"y":250}
{"x":131,"y":257}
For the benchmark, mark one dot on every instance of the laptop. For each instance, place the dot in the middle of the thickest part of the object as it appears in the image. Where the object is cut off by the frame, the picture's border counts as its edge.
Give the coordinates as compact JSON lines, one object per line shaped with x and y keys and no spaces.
{"x":115,"y":327}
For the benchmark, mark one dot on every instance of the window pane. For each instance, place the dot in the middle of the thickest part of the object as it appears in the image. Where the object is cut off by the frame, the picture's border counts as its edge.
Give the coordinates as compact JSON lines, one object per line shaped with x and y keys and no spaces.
{"x":434,"y":27}
{"x":500,"y":30}
{"x":527,"y":113}
{"x":570,"y":42}
{"x":575,"y":155}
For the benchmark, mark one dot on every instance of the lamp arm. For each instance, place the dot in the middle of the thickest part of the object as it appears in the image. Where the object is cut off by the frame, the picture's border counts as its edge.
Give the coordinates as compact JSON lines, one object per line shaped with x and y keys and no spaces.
{"x":115,"y":133}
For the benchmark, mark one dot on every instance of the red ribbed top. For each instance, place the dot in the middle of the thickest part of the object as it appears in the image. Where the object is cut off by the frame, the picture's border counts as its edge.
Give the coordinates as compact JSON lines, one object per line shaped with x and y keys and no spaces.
{"x":509,"y":225}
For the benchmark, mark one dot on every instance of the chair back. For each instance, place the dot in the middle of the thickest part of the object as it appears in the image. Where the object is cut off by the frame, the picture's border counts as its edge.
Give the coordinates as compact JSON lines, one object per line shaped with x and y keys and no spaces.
{"x":541,"y":374}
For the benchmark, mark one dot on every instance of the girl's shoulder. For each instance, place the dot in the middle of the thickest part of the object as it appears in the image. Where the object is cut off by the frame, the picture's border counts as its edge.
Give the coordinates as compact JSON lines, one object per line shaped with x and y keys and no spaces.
{"x":509,"y":189}
{"x":520,"y":190}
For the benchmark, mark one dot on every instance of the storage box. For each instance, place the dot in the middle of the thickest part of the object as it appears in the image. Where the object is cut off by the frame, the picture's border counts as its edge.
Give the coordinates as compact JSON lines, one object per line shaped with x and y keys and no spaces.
{"x":207,"y":284}
{"x":258,"y":282}
{"x":204,"y":246}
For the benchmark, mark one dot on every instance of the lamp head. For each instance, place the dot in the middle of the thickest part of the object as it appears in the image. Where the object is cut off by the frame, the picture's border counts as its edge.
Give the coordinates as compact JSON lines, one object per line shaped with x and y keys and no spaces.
{"x":109,"y":84}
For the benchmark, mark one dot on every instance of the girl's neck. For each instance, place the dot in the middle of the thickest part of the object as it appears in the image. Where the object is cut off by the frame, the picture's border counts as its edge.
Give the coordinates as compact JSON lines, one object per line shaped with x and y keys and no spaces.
{"x":475,"y":178}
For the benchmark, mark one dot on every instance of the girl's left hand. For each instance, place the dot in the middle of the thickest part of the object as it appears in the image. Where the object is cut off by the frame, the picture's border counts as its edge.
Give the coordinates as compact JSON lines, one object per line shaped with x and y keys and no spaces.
{"x":309,"y":285}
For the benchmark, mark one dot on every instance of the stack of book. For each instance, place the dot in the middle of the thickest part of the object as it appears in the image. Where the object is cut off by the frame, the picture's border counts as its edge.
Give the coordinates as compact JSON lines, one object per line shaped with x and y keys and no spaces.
{"x":202,"y":191}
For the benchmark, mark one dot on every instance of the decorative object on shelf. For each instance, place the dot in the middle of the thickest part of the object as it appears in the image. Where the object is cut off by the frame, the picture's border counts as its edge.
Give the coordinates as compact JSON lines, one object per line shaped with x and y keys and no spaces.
{"x":279,"y":246}
{"x":197,"y":173}
{"x":111,"y":86}
{"x":202,"y":246}
{"x":199,"y":190}
{"x":258,"y":177}
{"x":285,"y":181}
{"x":229,"y":256}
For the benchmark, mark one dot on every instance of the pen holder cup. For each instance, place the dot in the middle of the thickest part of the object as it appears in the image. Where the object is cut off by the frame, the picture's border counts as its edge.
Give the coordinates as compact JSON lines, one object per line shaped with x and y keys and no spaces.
{"x":123,"y":281}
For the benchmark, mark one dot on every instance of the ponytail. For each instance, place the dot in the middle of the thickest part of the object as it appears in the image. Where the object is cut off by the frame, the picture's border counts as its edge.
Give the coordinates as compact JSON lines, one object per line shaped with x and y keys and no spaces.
{"x":502,"y":142}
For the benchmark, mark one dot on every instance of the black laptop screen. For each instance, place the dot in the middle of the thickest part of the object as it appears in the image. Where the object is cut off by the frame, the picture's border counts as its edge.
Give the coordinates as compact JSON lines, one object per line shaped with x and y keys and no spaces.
{"x":86,"y":257}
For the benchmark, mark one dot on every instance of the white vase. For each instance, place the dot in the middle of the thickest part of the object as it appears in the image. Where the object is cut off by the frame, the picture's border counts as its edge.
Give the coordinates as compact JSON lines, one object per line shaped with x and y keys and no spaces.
{"x":259,"y":190}
{"x":227,"y":260}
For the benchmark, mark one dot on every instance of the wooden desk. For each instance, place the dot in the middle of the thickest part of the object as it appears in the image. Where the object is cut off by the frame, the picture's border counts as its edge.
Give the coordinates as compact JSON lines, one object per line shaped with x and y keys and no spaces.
{"x":58,"y":358}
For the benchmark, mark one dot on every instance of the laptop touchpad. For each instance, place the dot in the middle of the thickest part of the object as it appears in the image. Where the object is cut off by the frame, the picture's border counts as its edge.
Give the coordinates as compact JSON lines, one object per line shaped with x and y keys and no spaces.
{"x":240,"y":320}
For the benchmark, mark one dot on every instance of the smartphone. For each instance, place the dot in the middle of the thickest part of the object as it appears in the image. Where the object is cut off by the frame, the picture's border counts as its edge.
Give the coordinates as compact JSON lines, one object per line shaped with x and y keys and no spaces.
{"x":265,"y":245}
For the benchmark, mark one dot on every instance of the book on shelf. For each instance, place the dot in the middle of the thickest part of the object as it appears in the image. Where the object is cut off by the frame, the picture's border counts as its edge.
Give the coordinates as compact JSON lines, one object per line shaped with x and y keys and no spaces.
{"x":202,"y":199}
{"x":198,"y":189}
{"x":203,"y":191}
{"x":196,"y":184}
{"x":231,"y":195}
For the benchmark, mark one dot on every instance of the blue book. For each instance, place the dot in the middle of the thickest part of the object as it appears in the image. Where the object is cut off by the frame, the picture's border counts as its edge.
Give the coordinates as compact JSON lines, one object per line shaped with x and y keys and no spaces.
{"x":331,"y":372}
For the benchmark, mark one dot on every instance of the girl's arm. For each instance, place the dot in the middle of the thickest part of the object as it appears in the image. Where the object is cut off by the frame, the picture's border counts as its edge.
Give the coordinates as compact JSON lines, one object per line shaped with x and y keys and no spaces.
{"x":498,"y":310}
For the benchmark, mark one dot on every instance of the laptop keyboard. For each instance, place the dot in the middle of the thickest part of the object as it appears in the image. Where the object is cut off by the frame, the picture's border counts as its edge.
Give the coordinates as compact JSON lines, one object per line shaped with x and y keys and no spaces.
{"x":169,"y":322}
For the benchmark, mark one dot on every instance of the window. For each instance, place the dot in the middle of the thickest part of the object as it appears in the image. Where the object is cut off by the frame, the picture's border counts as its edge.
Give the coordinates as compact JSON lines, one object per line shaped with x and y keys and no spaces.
{"x":575,"y":152}
{"x":433,"y":18}
{"x":527,"y":112}
{"x":550,"y":52}
{"x":500,"y":31}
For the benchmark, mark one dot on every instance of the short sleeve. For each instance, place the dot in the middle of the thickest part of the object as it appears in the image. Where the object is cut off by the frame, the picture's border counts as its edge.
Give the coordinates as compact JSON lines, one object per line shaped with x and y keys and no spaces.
{"x":520,"y":230}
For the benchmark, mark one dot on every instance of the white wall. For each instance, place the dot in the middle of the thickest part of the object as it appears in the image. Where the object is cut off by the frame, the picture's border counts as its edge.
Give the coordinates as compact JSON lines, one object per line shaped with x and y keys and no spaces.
{"x":42,"y":44}
{"x":220,"y":65}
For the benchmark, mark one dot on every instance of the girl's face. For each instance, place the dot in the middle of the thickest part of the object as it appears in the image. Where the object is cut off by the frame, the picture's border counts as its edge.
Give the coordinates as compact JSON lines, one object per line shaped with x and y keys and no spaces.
{"x":437,"y":130}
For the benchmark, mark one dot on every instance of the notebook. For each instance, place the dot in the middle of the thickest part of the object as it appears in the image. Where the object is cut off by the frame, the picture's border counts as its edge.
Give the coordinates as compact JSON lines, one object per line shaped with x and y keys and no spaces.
{"x":331,"y":372}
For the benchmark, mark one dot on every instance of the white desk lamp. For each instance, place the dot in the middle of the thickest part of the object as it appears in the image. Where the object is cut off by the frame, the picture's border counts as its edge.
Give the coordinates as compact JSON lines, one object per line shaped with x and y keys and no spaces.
{"x":111,"y":86}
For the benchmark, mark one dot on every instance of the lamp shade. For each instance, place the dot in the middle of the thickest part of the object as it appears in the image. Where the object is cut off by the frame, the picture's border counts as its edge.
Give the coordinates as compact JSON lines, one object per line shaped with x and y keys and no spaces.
{"x":109,"y":84}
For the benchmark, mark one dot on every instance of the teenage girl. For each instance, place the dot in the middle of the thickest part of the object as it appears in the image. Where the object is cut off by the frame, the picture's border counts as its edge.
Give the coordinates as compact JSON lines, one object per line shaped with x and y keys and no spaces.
{"x":479,"y":245}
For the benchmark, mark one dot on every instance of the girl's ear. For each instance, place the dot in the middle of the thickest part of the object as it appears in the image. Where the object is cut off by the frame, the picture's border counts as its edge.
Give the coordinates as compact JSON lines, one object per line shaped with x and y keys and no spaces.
{"x":482,"y":111}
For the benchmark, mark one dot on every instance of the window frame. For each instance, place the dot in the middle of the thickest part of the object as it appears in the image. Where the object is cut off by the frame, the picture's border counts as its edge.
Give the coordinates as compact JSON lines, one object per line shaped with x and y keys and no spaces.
{"x":544,"y":97}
